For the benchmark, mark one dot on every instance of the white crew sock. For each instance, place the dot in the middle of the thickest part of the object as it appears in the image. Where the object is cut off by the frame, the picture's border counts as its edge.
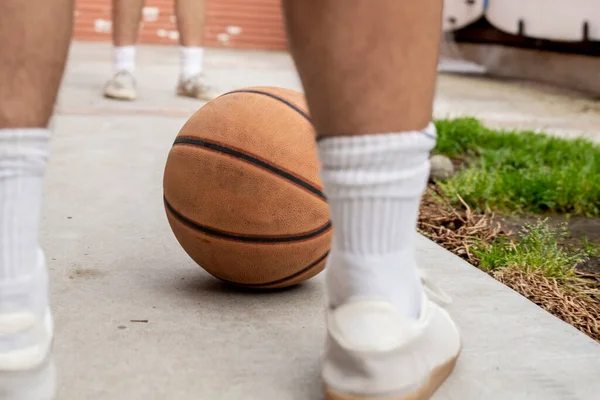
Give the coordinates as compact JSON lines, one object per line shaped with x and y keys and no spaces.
{"x":191,"y":61}
{"x":23,"y":275}
{"x":124,"y":59}
{"x":374,"y":185}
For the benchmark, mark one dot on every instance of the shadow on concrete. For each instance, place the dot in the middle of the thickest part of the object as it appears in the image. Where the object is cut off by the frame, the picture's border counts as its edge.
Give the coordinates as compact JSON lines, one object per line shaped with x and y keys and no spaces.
{"x":210,"y":284}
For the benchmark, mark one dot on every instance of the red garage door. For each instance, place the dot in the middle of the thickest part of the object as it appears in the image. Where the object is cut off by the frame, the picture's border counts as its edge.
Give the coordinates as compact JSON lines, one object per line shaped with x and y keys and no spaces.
{"x":253,"y":24}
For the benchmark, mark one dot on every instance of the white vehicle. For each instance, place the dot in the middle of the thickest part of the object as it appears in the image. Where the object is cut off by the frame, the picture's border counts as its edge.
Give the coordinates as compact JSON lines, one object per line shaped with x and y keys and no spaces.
{"x":557,"y":20}
{"x":460,"y":13}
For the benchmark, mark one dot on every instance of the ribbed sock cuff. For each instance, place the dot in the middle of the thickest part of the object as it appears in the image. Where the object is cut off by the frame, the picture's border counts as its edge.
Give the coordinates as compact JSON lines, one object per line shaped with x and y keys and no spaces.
{"x":374,"y":184}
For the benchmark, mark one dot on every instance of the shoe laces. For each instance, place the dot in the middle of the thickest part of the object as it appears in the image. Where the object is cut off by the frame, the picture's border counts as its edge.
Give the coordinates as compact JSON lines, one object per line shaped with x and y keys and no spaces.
{"x":434,"y":292}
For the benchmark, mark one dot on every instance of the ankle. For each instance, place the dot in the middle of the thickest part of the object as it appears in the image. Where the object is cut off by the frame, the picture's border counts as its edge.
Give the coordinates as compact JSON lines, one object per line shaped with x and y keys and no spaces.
{"x":124,"y":59}
{"x":27,"y":292}
{"x":391,"y":277}
{"x":23,"y":158}
{"x":192,"y":58}
{"x":374,"y":184}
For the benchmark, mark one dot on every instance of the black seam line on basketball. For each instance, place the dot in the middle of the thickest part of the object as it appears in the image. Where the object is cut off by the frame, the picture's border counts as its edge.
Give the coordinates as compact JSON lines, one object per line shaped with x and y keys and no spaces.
{"x":243,"y":238}
{"x":274,"y":96}
{"x":252,"y":160}
{"x":282,"y":280}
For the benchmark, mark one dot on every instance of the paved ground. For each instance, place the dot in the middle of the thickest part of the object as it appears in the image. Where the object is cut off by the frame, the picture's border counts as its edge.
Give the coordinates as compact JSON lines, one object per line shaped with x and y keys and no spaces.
{"x":115,"y":261}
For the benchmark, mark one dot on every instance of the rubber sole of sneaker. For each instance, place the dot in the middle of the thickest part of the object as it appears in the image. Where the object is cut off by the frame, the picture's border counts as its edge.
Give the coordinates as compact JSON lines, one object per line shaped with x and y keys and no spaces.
{"x":437,"y":377}
{"x":201,"y":96}
{"x":120,"y":95}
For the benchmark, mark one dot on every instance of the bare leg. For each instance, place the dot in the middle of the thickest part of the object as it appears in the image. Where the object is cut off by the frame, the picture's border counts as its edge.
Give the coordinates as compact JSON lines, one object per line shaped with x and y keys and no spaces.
{"x":190,"y":22}
{"x":368,"y":69}
{"x":35,"y":37}
{"x":126,"y":16}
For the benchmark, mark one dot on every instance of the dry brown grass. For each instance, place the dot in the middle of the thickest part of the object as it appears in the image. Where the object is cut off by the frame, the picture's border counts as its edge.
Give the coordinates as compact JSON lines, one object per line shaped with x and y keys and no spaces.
{"x":576,"y":301}
{"x":568,"y":302}
{"x":457,"y":230}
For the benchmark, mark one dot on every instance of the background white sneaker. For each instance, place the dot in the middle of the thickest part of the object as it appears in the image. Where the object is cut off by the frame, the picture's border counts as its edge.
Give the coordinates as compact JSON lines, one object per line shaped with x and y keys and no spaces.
{"x":373,"y":352}
{"x":121,"y":86}
{"x":196,"y":88}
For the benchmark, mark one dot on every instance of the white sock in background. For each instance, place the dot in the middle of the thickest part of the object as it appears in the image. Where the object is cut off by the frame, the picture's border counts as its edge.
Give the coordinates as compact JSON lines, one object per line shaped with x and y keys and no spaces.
{"x":124,"y":59}
{"x":191,"y":61}
{"x":23,"y":275}
{"x":374,"y":185}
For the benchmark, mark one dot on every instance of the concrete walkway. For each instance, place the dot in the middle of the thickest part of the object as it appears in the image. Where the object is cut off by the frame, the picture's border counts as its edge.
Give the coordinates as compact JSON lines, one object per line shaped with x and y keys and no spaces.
{"x":114,"y":260}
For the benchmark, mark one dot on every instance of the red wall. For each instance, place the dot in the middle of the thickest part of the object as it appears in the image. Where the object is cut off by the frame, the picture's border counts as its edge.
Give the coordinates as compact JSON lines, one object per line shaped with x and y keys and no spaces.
{"x":229,"y":23}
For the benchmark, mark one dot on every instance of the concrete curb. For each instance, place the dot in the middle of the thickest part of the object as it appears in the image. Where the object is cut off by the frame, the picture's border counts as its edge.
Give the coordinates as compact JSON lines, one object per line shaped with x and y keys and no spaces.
{"x":512,"y":348}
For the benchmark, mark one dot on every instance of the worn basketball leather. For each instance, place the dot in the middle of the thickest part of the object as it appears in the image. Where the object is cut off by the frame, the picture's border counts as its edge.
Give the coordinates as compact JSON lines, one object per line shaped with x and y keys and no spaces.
{"x":242,"y":190}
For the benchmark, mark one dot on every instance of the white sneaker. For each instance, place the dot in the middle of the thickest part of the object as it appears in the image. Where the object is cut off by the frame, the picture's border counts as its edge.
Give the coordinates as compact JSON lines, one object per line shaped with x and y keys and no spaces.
{"x":374,"y":353}
{"x":26,"y":369}
{"x":27,"y":373}
{"x":196,"y":87}
{"x":121,"y":86}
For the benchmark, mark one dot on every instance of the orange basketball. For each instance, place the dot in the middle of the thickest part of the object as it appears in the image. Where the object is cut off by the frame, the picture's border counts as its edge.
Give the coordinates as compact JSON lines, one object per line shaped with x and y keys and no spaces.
{"x":242,"y":191}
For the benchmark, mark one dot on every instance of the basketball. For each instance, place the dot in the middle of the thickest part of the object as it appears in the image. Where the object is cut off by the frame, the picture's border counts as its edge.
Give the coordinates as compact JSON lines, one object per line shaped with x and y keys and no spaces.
{"x":242,"y":192}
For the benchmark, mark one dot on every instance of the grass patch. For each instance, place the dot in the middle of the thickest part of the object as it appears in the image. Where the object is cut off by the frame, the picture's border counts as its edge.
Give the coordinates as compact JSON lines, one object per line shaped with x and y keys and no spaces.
{"x":591,"y":249}
{"x":520,"y":171}
{"x":537,"y":250}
